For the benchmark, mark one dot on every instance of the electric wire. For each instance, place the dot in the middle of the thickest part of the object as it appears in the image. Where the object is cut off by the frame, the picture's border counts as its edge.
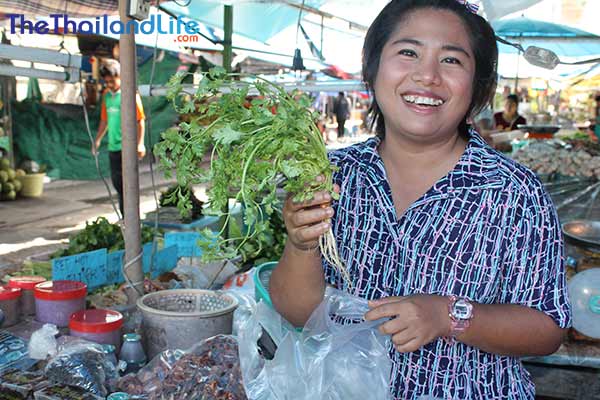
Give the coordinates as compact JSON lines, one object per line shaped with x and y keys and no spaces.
{"x":150,"y":148}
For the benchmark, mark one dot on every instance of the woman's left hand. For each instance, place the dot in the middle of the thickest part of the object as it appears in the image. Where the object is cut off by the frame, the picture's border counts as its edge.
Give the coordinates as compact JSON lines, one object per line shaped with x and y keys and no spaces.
{"x":417,"y":320}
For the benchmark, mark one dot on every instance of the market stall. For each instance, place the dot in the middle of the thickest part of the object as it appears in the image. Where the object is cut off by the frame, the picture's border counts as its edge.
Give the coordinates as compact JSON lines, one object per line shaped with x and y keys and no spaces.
{"x":199,"y":328}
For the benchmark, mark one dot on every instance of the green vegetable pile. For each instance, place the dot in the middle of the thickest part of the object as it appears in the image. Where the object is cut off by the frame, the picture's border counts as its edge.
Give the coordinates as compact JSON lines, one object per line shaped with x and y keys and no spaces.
{"x":169,"y":198}
{"x":253,"y":146}
{"x":100,"y":234}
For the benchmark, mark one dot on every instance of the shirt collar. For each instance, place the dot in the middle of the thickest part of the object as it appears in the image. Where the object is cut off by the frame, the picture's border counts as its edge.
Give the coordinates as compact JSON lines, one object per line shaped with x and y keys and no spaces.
{"x":477,"y":168}
{"x":108,"y":91}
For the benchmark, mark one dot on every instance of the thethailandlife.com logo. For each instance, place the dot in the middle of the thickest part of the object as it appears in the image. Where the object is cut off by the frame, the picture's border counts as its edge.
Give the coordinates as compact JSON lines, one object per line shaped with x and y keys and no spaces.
{"x":183,"y":31}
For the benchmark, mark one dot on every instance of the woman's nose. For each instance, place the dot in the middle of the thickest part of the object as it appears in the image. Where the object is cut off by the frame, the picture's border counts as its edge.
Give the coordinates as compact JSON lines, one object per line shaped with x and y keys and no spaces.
{"x":427,"y":73}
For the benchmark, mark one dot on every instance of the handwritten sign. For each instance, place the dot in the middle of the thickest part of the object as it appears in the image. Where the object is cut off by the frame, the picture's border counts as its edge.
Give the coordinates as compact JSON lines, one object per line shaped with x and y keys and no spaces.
{"x":186,"y":242}
{"x":114,"y":267}
{"x":89,"y":268}
{"x":164,"y":261}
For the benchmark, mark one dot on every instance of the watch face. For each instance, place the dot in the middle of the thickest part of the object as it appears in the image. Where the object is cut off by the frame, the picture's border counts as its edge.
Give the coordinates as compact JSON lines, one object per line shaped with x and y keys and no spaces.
{"x":462,"y":309}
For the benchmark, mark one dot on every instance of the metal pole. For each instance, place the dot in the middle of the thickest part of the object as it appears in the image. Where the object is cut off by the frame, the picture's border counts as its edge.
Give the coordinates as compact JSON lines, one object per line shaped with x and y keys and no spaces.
{"x":322,"y":22}
{"x":131,"y":188}
{"x":227,"y":59}
{"x":228,"y":33}
{"x":517,"y":77}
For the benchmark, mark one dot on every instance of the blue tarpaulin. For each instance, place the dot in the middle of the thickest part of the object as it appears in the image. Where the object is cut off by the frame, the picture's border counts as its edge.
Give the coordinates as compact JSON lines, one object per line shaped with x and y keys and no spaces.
{"x":564,"y":40}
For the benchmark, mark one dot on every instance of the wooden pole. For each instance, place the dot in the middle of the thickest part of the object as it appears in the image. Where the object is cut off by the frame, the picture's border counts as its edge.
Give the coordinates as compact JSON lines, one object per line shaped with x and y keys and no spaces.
{"x":131,"y":187}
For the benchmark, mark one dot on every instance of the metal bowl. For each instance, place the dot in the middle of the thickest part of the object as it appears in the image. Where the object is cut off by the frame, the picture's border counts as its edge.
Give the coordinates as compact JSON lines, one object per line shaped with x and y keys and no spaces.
{"x":583,"y":233}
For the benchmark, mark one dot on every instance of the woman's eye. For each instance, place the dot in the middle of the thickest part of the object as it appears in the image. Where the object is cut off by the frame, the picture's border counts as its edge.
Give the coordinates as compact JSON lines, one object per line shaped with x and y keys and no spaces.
{"x":407,"y":52}
{"x":451,"y":60}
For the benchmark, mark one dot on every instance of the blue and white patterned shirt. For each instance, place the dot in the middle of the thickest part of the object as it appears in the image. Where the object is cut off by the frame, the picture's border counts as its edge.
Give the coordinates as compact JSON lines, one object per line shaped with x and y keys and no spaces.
{"x":487,"y":231}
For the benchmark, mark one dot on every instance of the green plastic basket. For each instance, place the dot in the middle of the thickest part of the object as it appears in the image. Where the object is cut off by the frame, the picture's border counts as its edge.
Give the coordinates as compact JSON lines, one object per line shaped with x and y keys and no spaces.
{"x":261,"y":282}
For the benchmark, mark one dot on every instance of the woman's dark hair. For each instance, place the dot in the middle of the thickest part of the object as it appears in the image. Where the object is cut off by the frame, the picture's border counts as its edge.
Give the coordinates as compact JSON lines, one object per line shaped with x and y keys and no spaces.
{"x":483,"y":43}
{"x":110,"y":68}
{"x":513,"y":98}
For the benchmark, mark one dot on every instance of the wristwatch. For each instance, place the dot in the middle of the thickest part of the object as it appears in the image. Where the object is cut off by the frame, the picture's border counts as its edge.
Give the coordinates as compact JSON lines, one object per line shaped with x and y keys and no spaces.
{"x":460,"y":311}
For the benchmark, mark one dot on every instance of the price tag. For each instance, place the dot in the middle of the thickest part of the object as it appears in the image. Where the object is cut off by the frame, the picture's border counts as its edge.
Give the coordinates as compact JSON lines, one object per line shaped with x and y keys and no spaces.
{"x":186,"y":242}
{"x":114,"y":267}
{"x":165,"y":261}
{"x":89,"y":268}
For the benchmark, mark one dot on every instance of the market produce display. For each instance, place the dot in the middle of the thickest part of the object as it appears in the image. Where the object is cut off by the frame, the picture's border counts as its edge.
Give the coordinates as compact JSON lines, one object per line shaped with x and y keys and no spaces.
{"x":100,"y":234}
{"x":169,"y":198}
{"x":10,"y":185}
{"x":254,"y":146}
{"x":571,"y":157}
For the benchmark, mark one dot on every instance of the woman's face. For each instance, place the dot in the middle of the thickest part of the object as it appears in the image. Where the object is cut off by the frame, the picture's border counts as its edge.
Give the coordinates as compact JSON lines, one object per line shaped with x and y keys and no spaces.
{"x":425,"y":76}
{"x":510,"y":107}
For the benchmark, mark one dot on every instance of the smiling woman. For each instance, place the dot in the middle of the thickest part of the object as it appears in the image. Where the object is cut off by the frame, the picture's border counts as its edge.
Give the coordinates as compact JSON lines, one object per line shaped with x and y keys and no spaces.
{"x":458,"y":248}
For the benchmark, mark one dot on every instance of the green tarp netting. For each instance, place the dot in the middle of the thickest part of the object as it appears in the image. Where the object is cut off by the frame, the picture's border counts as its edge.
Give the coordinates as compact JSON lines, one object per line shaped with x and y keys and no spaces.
{"x":55,"y":135}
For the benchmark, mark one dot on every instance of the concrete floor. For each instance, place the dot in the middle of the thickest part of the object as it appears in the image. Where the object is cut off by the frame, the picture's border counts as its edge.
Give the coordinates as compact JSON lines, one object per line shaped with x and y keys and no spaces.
{"x":30,"y":226}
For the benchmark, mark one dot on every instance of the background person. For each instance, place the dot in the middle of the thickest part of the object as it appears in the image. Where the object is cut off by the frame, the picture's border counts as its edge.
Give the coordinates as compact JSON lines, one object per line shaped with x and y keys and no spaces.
{"x":341,"y":109}
{"x":110,"y":121}
{"x":509,"y":119}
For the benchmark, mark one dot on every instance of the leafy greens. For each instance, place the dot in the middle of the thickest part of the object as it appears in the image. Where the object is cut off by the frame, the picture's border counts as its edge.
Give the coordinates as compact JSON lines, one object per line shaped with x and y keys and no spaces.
{"x":252,"y":145}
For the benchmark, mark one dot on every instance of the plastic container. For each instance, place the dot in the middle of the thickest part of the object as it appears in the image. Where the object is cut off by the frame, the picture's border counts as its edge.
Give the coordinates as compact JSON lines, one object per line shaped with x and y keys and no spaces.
{"x":56,"y":301}
{"x":9,"y":304}
{"x":132,"y":356}
{"x":262,"y":276}
{"x":33,"y":185}
{"x":99,"y":326}
{"x":584,"y":292}
{"x":180,"y":318}
{"x":119,"y":396}
{"x":26,"y":284}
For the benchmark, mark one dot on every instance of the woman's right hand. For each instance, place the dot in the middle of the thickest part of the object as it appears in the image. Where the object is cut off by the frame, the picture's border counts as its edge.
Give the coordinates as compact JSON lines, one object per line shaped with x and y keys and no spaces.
{"x":307,"y":221}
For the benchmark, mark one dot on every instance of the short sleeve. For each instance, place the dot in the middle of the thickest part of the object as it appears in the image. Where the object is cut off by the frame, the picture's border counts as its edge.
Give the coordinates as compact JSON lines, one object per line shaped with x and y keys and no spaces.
{"x":103,"y":116}
{"x":533,"y":270}
{"x":139,"y":108}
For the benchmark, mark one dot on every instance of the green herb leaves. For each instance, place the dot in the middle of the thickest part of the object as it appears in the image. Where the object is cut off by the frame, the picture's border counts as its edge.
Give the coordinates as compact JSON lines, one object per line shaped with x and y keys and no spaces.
{"x":245,"y":139}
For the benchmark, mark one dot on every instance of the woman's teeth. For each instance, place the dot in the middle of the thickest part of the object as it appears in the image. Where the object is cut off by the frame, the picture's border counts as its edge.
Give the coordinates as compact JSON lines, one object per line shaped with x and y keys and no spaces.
{"x":426,"y":101}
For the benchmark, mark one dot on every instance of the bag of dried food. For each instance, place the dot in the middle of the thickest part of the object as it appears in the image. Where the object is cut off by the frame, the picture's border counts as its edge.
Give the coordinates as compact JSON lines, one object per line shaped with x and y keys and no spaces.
{"x":210,"y":370}
{"x":337,"y":356}
{"x":82,"y":364}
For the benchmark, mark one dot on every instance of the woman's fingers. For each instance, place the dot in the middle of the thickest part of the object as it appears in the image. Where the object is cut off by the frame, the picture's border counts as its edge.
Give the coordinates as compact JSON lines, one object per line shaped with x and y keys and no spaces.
{"x":319,"y":199}
{"x":311,"y":216}
{"x":393,"y":327}
{"x":390,"y":308}
{"x":311,"y":233}
{"x":409,"y":347}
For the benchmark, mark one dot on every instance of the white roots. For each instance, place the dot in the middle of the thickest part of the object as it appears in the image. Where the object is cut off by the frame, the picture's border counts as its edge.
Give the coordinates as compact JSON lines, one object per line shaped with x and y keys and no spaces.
{"x":328,"y":246}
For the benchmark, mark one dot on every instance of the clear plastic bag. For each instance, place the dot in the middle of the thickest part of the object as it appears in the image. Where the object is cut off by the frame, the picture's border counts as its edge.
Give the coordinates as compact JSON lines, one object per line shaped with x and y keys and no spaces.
{"x":43,"y":342}
{"x":327,"y":360}
{"x":84,"y":365}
